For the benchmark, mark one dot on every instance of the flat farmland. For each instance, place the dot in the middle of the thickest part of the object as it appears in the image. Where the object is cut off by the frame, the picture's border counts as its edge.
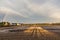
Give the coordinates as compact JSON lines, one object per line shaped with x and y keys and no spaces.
{"x":29,"y":33}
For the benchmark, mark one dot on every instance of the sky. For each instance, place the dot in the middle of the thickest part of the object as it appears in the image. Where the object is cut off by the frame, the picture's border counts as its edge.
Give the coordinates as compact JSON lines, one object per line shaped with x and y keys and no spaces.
{"x":30,"y":11}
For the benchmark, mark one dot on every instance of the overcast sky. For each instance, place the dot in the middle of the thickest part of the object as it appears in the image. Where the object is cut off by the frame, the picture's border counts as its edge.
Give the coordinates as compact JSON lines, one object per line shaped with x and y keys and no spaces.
{"x":30,"y":11}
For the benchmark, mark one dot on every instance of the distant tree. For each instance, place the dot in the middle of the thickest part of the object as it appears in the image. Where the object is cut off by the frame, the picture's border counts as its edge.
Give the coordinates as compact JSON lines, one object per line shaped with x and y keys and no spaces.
{"x":5,"y":24}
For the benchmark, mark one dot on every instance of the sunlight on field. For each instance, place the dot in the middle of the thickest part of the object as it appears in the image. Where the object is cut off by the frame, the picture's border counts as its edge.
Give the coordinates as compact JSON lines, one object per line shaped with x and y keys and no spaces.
{"x":29,"y":29}
{"x":40,"y":31}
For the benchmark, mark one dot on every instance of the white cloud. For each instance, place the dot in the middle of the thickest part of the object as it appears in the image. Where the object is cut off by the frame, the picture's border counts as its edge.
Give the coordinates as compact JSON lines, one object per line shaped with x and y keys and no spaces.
{"x":56,"y":15}
{"x":28,"y":8}
{"x":47,"y":9}
{"x":10,"y":11}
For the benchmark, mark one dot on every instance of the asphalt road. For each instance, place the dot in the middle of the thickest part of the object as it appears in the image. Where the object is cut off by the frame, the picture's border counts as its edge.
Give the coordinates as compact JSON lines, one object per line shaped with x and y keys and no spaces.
{"x":31,"y":33}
